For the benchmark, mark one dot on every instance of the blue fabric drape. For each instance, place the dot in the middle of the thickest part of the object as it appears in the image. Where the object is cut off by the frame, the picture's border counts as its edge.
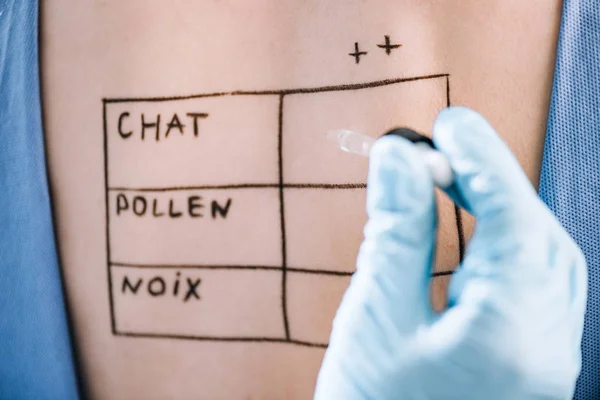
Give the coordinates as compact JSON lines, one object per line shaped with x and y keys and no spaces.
{"x":570,"y":181}
{"x":35,"y":353}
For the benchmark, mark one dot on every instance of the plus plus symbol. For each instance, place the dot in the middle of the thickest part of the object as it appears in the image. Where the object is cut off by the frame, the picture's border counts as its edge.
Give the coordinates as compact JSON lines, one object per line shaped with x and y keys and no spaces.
{"x":387,"y":46}
{"x":357,"y":53}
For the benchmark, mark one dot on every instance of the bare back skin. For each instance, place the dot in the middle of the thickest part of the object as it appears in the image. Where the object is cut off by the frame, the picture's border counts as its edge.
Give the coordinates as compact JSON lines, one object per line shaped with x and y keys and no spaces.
{"x":207,"y":229}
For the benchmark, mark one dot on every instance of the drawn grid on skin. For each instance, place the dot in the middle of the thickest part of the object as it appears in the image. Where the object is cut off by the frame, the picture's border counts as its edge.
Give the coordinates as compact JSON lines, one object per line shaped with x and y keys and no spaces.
{"x":281,"y":185}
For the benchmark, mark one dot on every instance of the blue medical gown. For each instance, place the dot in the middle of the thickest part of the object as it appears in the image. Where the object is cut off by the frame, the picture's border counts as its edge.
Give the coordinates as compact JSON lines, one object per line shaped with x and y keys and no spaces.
{"x":36,"y":357}
{"x":570,"y":182}
{"x":36,"y":360}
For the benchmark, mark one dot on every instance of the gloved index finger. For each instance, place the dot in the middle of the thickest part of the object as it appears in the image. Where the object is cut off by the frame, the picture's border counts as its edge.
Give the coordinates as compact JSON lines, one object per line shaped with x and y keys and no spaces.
{"x":488,"y":178}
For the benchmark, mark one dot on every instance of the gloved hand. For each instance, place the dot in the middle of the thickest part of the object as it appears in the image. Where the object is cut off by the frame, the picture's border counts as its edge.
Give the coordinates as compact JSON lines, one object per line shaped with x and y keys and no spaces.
{"x":516,"y":304}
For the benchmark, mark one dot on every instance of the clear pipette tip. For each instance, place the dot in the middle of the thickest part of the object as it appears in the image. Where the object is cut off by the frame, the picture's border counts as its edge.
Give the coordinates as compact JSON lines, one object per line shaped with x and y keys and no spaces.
{"x":351,"y":142}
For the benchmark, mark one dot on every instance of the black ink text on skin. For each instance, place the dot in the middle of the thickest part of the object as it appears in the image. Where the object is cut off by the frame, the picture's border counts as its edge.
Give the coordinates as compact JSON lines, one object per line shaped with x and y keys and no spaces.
{"x":154,"y":124}
{"x":158,"y":285}
{"x":388,"y":46}
{"x":357,"y":53}
{"x":194,"y":205}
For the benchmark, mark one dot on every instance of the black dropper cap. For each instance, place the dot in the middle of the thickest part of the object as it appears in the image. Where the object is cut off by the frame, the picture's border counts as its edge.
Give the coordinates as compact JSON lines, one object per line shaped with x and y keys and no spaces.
{"x":411,"y":136}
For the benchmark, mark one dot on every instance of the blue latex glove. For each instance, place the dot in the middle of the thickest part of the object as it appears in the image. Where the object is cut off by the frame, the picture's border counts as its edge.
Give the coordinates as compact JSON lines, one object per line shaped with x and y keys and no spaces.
{"x":516,"y":305}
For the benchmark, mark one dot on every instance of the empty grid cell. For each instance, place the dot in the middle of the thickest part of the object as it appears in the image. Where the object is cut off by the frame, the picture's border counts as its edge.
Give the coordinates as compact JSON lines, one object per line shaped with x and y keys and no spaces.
{"x":312,"y":301}
{"x":314,"y":241}
{"x":308,"y":157}
{"x":313,"y":218}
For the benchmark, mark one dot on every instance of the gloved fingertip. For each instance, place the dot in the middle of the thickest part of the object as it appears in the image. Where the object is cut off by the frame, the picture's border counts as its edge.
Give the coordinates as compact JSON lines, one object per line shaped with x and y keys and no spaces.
{"x":456,"y":128}
{"x":397,"y":173}
{"x":486,"y":172}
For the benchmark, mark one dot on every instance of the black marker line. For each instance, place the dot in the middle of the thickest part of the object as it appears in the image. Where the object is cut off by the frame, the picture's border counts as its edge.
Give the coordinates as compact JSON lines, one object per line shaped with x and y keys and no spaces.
{"x":339,"y":88}
{"x":325,"y":186}
{"x":307,"y":344}
{"x":106,"y":199}
{"x":249,"y":267}
{"x":200,"y":187}
{"x":232,"y":267}
{"x":447,"y":90}
{"x":332,"y":88}
{"x":223,"y":339}
{"x":166,"y":98}
{"x":442,"y":273}
{"x":197,"y":266}
{"x":319,"y":272}
{"x":282,"y":221}
{"x":457,"y":212}
{"x":243,"y":186}
{"x":459,"y":230}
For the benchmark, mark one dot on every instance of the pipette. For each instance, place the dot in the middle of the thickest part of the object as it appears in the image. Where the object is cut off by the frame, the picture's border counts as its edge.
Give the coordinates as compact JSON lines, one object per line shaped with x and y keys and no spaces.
{"x":437,"y":163}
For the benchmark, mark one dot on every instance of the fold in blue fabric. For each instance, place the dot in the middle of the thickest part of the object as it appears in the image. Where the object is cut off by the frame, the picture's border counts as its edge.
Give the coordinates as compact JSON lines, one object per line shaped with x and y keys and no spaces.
{"x":570,"y":181}
{"x":36,"y":359}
